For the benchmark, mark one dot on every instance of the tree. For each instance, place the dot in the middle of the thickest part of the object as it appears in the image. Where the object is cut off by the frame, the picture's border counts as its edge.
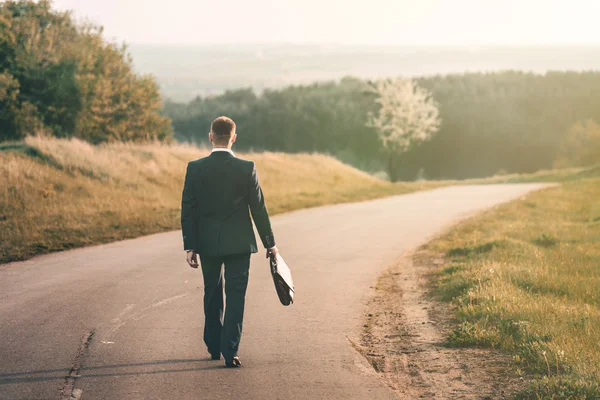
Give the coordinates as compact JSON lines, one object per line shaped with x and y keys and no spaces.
{"x":64,"y":79}
{"x":407,"y":116}
{"x":581,"y":146}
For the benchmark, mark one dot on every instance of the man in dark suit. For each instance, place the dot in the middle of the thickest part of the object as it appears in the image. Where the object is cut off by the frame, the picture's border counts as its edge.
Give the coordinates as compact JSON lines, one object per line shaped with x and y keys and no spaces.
{"x":219,"y":193}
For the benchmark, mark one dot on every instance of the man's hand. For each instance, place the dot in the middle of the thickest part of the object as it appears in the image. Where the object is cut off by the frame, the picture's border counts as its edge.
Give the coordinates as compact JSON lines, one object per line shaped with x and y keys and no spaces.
{"x":272,"y":250}
{"x":192,"y":259}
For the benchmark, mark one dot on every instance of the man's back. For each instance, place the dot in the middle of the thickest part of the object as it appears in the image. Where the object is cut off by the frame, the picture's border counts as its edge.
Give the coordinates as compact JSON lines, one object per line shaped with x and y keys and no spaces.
{"x":219,"y":191}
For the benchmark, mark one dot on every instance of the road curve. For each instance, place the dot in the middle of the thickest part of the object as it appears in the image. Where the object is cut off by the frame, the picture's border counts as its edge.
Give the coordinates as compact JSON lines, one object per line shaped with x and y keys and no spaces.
{"x":124,"y":320}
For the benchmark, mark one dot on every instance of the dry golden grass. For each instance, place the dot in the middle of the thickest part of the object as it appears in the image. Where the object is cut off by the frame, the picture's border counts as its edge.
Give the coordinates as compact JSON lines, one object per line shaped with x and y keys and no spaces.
{"x":525,"y":277}
{"x":57,"y":194}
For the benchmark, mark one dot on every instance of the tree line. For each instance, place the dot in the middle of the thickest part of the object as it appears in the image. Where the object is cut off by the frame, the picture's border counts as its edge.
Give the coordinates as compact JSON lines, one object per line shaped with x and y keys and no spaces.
{"x":513,"y":122}
{"x":63,"y":79}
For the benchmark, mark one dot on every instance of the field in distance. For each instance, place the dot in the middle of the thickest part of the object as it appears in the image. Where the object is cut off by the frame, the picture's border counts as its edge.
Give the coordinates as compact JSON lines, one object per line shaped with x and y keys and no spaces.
{"x":185,"y":72}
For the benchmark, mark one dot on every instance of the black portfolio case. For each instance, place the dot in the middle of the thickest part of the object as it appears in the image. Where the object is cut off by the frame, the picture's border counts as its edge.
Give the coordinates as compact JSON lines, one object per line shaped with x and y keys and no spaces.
{"x":282,"y":277}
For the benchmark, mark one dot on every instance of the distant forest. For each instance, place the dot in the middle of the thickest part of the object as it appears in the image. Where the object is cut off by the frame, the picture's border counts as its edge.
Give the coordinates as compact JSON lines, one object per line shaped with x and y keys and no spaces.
{"x":508,"y":122}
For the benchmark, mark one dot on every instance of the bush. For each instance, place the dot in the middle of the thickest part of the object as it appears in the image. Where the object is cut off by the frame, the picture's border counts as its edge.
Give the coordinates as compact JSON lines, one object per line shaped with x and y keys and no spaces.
{"x":545,"y":240}
{"x":67,"y":81}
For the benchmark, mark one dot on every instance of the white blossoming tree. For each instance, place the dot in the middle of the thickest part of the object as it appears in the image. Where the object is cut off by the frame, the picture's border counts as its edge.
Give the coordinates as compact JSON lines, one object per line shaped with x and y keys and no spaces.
{"x":407,"y":116}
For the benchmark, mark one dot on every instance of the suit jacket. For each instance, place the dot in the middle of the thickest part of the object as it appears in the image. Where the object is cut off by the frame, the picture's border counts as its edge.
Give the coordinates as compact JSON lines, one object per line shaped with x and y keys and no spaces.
{"x":219,"y":193}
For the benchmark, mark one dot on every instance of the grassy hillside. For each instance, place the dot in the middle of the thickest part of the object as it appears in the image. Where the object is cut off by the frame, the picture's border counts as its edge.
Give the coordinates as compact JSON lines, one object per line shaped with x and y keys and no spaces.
{"x":57,"y":194}
{"x":525,"y":278}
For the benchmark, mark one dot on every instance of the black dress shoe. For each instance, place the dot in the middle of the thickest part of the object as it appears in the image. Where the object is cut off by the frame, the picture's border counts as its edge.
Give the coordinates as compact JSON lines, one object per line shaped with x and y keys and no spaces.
{"x":215,"y":356}
{"x":235,"y":363}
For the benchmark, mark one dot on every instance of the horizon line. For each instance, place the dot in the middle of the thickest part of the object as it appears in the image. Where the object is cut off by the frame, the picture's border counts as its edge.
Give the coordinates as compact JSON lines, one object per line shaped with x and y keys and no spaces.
{"x":358,"y":45}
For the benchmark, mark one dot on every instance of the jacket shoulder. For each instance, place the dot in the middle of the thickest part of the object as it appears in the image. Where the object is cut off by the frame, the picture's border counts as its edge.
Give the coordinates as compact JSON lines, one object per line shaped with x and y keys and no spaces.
{"x":245,"y":165}
{"x":196,"y":163}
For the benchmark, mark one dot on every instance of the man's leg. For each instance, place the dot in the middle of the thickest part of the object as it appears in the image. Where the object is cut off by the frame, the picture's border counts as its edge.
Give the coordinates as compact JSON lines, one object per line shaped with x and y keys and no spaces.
{"x":236,"y":281}
{"x":212,"y":272}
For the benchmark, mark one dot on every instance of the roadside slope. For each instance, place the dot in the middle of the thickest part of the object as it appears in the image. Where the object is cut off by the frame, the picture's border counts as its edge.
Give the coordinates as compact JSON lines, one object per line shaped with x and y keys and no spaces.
{"x":57,"y":194}
{"x":524,"y":279}
{"x":504,"y":305}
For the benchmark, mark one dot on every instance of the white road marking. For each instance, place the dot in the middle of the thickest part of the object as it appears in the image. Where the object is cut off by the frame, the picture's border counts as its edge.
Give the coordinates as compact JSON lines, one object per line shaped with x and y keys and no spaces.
{"x":125,"y":311}
{"x":139,"y":315}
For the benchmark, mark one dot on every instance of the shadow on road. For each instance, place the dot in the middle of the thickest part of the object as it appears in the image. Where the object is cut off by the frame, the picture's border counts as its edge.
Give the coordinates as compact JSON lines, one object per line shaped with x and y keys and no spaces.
{"x":60,"y":374}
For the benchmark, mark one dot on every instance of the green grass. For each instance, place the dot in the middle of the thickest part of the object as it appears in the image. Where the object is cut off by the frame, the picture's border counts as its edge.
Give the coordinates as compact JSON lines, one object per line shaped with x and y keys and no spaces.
{"x":525,"y":278}
{"x":555,"y":175}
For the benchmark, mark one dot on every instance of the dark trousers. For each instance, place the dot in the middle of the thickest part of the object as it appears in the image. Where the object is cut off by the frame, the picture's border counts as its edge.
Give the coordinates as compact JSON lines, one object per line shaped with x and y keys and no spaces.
{"x":222,"y":335}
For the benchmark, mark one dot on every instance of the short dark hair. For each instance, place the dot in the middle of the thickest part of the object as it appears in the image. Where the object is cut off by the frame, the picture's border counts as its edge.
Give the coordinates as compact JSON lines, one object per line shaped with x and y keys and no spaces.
{"x":222,"y":128}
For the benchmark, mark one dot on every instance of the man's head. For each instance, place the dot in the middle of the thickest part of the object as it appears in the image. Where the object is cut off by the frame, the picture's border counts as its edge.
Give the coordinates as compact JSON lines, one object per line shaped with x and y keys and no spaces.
{"x":222,"y":132}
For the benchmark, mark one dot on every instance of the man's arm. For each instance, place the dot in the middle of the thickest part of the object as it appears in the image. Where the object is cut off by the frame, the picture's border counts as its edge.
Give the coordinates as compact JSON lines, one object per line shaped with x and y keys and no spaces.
{"x":259,"y":211}
{"x":189,"y":213}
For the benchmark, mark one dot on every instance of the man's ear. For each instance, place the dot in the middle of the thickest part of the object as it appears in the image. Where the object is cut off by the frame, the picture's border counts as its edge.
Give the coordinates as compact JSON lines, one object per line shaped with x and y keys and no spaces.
{"x":233,"y":138}
{"x":210,"y":136}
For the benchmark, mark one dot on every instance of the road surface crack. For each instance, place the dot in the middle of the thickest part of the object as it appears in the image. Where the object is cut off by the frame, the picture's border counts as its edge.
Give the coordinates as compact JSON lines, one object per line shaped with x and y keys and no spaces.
{"x":68,"y":390}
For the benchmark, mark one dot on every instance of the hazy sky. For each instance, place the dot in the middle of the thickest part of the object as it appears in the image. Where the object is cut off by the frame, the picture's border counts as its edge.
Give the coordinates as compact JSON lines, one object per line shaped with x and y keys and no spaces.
{"x":383,"y":22}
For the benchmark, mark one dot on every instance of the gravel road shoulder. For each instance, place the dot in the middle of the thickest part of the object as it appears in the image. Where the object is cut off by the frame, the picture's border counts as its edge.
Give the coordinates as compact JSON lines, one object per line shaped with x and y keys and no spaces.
{"x":404,"y":339}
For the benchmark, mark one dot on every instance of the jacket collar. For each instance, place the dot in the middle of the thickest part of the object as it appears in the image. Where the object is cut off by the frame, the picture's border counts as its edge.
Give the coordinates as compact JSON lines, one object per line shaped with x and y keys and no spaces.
{"x":220,"y":149}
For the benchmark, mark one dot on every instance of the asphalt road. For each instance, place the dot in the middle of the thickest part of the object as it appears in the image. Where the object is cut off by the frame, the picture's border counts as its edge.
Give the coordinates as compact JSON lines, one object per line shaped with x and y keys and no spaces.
{"x":124,"y":320}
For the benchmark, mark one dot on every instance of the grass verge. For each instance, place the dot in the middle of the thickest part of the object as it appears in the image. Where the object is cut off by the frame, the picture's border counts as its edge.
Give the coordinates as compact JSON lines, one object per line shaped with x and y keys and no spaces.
{"x":525,"y":278}
{"x":57,"y":194}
